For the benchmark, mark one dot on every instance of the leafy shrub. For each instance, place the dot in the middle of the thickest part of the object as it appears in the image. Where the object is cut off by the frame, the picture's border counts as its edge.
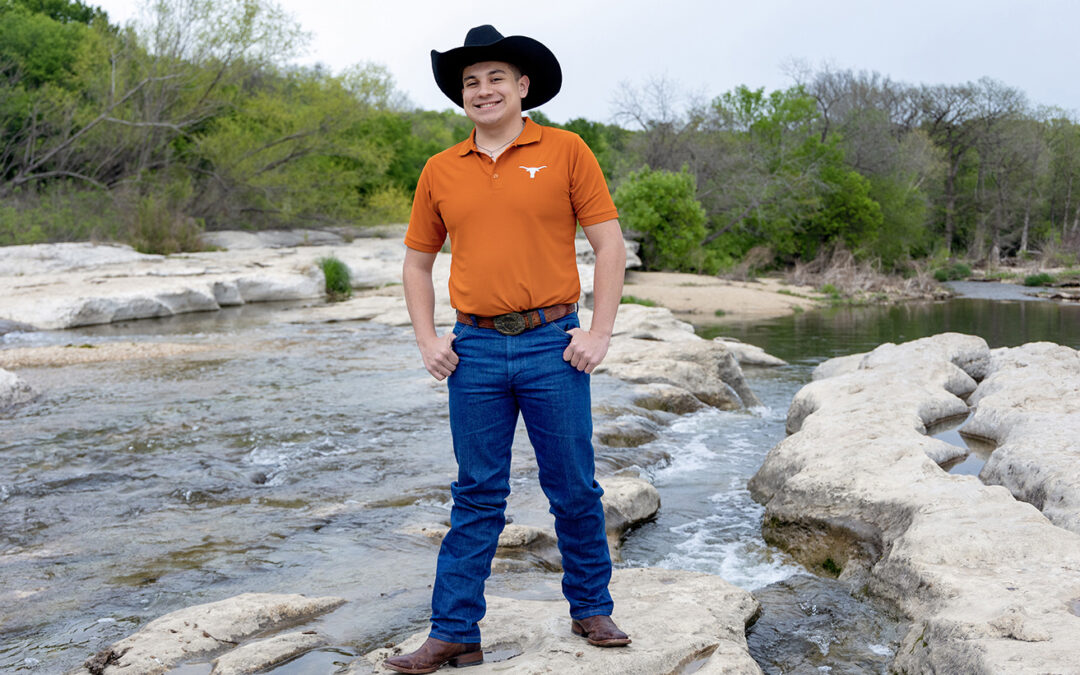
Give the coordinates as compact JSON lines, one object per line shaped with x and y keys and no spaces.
{"x":1040,"y":279}
{"x":157,"y":225}
{"x":338,"y":286}
{"x":634,"y":300}
{"x":663,"y":207}
{"x":388,"y":204}
{"x":953,"y":272}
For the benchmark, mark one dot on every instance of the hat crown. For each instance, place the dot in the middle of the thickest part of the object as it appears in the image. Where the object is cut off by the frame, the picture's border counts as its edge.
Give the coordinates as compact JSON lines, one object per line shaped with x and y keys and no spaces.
{"x":482,"y":35}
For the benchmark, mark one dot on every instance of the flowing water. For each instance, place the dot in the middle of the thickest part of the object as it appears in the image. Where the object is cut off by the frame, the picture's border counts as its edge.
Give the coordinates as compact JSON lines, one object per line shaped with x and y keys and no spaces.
{"x":295,"y":458}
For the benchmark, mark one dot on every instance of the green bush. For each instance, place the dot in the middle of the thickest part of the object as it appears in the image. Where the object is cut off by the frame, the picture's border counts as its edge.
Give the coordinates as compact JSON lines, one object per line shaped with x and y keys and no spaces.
{"x":338,"y":286}
{"x":1040,"y":279}
{"x":952,"y":272}
{"x":634,"y":300}
{"x":663,"y":207}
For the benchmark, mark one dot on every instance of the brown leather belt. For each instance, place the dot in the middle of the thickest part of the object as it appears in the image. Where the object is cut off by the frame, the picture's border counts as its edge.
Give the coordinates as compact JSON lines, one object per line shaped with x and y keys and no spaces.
{"x":516,"y":323}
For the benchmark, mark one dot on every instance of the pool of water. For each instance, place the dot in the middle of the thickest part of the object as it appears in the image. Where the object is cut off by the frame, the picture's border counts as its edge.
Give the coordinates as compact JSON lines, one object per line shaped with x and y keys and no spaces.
{"x":293,"y":457}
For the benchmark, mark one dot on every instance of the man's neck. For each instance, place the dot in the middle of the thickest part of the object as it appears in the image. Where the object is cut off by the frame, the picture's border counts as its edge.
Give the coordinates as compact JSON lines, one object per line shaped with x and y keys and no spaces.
{"x":493,"y":137}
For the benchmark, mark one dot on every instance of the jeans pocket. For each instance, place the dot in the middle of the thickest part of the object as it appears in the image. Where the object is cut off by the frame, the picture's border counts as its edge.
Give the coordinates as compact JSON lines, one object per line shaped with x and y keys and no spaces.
{"x":563,"y":326}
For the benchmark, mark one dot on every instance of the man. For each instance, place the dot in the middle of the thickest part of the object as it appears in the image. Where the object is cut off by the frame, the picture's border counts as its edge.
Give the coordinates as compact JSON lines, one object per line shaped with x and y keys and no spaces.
{"x":510,"y":199}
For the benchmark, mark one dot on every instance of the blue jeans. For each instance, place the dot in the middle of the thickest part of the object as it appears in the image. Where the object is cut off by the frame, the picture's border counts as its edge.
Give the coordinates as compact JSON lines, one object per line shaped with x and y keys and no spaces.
{"x":497,"y":376}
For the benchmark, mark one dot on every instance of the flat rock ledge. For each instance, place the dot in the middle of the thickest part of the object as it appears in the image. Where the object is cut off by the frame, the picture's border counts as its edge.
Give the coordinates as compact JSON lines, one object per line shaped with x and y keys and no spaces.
{"x":679,"y":621}
{"x":1030,"y":408}
{"x":990,"y":584}
{"x":198,"y":633}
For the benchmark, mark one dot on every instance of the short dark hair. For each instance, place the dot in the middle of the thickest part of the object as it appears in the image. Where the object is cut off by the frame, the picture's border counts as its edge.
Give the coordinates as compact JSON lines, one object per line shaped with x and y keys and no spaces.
{"x":515,"y":70}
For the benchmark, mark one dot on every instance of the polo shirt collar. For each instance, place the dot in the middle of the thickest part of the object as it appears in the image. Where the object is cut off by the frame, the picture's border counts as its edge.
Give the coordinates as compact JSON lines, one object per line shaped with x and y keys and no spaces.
{"x":530,"y":134}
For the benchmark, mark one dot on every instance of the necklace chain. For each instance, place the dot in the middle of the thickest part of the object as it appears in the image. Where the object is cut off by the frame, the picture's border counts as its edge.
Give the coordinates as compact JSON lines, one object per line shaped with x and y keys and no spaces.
{"x":491,"y":153}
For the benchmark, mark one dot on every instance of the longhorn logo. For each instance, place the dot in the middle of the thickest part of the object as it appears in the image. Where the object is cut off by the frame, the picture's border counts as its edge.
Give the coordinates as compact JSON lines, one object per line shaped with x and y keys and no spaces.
{"x":532,"y":169}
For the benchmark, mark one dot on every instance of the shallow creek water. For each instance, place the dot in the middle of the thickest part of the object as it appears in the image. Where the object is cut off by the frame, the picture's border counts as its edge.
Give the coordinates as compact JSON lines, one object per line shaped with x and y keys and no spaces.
{"x":291,"y":457}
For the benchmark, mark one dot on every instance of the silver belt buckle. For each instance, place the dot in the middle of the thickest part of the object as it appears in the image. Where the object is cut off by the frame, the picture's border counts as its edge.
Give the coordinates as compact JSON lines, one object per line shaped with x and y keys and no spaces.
{"x":510,"y":324}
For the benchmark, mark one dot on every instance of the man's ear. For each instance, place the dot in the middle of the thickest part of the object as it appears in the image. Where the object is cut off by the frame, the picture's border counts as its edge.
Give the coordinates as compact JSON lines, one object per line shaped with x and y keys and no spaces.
{"x":523,"y":86}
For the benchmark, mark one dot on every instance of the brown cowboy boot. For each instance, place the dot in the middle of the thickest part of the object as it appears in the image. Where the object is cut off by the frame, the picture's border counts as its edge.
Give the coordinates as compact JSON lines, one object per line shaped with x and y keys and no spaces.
{"x":600,"y":631}
{"x":434,"y":654}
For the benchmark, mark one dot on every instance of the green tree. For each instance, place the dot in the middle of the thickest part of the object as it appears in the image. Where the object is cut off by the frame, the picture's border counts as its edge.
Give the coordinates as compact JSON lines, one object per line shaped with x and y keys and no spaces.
{"x":662,"y":206}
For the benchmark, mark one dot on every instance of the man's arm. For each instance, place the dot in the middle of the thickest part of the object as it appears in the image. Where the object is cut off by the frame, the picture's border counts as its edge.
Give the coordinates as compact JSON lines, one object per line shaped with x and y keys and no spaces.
{"x":439,"y":358}
{"x":588,"y":348}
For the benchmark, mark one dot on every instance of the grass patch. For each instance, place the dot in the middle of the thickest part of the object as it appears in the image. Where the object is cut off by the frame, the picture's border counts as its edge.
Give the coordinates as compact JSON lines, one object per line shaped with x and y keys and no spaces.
{"x":634,"y":300}
{"x":338,"y":286}
{"x":1001,"y":276}
{"x":831,"y":567}
{"x":784,"y":291}
{"x":1040,"y":279}
{"x":720,"y":312}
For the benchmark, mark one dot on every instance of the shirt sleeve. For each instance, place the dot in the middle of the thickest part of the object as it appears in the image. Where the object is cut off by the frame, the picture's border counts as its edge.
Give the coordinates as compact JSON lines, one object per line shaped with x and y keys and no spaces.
{"x":426,"y":232}
{"x":588,"y":189}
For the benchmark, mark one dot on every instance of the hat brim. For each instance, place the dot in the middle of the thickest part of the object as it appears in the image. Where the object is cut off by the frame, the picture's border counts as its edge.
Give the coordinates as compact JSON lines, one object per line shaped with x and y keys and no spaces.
{"x":529,"y":55}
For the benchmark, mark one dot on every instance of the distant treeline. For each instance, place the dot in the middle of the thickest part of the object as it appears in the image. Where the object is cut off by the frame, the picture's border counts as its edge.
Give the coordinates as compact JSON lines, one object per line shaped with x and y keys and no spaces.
{"x":193,"y":119}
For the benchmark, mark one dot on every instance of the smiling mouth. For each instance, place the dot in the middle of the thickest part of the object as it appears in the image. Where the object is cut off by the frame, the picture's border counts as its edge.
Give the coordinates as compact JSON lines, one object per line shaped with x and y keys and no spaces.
{"x":486,"y":106}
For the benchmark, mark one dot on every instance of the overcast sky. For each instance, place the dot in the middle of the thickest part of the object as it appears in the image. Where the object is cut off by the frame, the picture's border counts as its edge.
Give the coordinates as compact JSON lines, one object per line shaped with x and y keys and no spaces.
{"x":707,"y":47}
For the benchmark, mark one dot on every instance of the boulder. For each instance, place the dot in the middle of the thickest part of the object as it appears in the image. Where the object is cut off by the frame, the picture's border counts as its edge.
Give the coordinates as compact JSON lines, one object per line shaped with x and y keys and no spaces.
{"x":1029,"y":406}
{"x":679,"y":622}
{"x":650,"y":346}
{"x":987,"y":580}
{"x":197,"y":632}
{"x":666,"y":398}
{"x":14,"y":390}
{"x":628,"y":502}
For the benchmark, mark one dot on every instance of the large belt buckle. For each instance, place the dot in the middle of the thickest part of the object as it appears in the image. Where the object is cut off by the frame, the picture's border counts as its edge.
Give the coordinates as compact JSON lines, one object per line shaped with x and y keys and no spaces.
{"x":510,"y":324}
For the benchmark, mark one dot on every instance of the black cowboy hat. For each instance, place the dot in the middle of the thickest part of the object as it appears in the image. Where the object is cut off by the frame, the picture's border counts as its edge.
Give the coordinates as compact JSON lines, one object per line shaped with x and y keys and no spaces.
{"x":484,"y":43}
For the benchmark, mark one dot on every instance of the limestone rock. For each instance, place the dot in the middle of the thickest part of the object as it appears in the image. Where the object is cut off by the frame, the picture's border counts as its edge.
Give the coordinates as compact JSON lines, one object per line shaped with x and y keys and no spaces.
{"x":749,"y":355}
{"x":666,"y":398}
{"x":650,"y":346}
{"x":627,"y":431}
{"x":628,"y":502}
{"x":255,"y":657}
{"x":675,"y":619}
{"x":987,"y":580}
{"x":235,"y":240}
{"x":1030,"y":407}
{"x":586,"y":255}
{"x":202,"y":630}
{"x":35,"y":259}
{"x":14,"y":390}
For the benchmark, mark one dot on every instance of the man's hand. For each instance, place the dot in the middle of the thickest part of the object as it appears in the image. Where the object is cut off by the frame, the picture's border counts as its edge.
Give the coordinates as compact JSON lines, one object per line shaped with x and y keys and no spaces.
{"x":586,"y":349}
{"x":439,"y":357}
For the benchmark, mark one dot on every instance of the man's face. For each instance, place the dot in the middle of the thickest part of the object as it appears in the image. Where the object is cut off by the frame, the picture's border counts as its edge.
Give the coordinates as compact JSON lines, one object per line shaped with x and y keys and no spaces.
{"x":492,"y":92}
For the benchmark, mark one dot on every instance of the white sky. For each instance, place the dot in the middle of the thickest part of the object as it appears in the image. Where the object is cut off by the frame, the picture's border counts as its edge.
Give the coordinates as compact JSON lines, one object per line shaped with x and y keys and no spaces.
{"x":707,"y":47}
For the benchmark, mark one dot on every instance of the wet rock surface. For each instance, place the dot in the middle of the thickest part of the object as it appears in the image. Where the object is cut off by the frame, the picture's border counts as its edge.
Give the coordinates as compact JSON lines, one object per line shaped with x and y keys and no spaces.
{"x":195,"y":633}
{"x":14,"y":390}
{"x":677,"y":620}
{"x":854,"y":492}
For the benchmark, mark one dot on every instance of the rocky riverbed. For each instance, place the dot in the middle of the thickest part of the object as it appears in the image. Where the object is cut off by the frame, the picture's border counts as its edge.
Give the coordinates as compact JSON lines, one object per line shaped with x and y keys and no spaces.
{"x":670,"y":371}
{"x":987,"y":574}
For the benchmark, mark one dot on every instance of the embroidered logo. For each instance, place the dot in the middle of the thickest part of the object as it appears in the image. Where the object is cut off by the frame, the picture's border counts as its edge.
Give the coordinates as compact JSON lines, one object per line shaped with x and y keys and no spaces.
{"x":532,"y":169}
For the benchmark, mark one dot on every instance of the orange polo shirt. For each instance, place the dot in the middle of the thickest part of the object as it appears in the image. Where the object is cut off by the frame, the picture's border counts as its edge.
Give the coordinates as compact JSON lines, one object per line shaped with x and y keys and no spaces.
{"x":512,"y":221}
